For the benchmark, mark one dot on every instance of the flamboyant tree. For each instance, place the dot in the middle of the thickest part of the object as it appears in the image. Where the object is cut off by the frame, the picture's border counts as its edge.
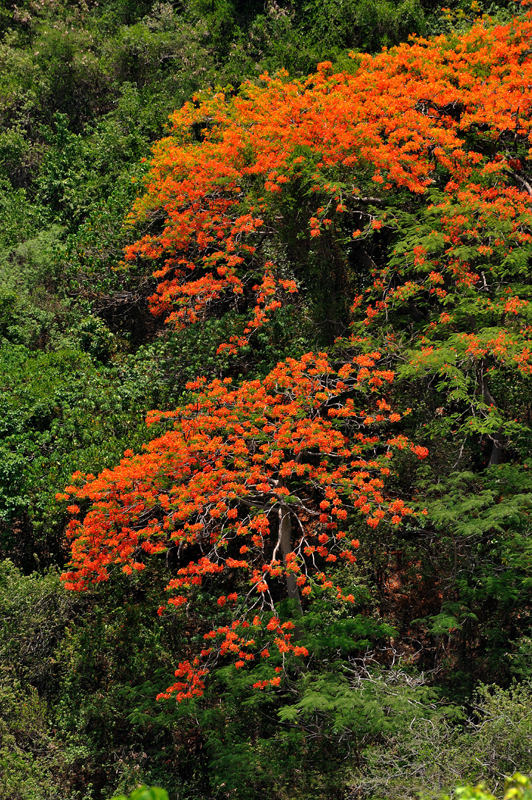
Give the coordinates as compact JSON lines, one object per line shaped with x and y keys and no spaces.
{"x":256,"y":480}
{"x":411,"y":175}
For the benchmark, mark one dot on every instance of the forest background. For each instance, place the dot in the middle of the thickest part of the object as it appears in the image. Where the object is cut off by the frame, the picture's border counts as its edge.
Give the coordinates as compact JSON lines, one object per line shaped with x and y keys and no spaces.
{"x":422,"y":679}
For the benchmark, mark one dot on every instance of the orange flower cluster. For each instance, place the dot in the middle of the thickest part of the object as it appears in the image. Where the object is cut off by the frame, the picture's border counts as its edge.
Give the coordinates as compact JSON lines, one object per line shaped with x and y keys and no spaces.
{"x":428,"y":113}
{"x":217,"y":485}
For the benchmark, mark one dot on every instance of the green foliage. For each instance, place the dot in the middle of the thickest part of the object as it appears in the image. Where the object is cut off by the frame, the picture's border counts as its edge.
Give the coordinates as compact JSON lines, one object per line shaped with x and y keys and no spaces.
{"x":113,"y":660}
{"x":434,"y":753}
{"x":518,"y":787}
{"x":366,"y":25}
{"x":89,"y":671}
{"x":33,"y":615}
{"x":30,"y":761}
{"x":35,"y":612}
{"x":144,"y":793}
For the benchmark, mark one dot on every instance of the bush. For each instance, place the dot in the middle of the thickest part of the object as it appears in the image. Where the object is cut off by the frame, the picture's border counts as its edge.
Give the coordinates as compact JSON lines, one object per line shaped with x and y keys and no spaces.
{"x":431,"y":755}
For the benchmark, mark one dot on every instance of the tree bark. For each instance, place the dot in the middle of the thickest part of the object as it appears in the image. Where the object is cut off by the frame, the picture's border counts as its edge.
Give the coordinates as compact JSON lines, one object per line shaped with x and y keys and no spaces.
{"x":285,"y":535}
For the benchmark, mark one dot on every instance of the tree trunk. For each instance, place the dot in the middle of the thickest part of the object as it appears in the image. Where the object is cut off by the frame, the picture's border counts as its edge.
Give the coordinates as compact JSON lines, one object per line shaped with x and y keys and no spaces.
{"x":285,"y":534}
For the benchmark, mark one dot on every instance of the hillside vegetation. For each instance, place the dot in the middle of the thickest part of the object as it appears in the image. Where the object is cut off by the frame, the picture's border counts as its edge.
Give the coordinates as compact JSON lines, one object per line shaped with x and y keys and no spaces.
{"x":265,"y":395}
